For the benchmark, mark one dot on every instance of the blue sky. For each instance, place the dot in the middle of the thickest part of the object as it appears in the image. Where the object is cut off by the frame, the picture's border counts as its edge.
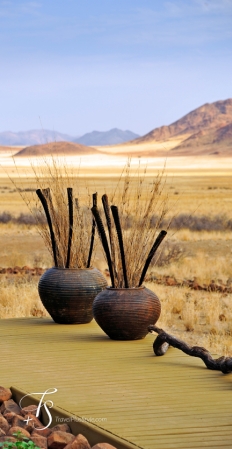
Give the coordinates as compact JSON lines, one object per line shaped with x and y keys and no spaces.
{"x":81,"y":65}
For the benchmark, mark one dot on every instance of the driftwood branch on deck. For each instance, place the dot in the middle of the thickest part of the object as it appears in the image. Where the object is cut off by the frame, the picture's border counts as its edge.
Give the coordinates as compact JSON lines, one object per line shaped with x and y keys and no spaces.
{"x":164,"y":340}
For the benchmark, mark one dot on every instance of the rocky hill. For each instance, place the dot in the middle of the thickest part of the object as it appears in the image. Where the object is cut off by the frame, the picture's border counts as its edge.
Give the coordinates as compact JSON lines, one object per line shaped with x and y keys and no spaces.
{"x":206,"y":130}
{"x":56,"y":149}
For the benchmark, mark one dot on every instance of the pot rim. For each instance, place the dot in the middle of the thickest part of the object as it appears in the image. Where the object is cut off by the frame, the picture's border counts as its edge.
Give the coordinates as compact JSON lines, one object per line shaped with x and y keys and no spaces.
{"x":72,"y":269}
{"x":124,"y":288}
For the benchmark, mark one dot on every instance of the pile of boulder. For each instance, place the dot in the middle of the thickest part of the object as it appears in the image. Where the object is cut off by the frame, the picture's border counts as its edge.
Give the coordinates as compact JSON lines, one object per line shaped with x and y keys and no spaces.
{"x":195,"y":284}
{"x":36,"y":271}
{"x":14,"y":419}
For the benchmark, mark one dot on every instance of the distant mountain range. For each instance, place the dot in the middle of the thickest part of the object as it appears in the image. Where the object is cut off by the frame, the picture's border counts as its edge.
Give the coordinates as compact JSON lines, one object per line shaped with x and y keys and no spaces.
{"x":203,"y":131}
{"x":33,"y":137}
{"x":112,"y":137}
{"x":39,"y":137}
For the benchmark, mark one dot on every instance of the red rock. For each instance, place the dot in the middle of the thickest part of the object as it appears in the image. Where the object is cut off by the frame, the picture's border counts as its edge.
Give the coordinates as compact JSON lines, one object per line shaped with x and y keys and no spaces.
{"x":5,"y":394}
{"x":39,"y":441}
{"x":62,"y":428}
{"x":8,"y":438}
{"x":103,"y":446}
{"x":43,"y":433}
{"x":195,"y":286}
{"x":80,"y":442}
{"x":58,"y":439}
{"x":19,"y":421}
{"x":171,"y":281}
{"x":32,"y":409}
{"x":4,"y":425}
{"x":9,"y":416}
{"x":10,"y":406}
{"x":33,"y":423}
{"x":16,"y":429}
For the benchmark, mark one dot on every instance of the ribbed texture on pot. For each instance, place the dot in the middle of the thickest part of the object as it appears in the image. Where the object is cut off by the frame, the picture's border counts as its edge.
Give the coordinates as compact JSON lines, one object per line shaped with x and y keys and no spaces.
{"x":125,"y":313}
{"x":68,"y":293}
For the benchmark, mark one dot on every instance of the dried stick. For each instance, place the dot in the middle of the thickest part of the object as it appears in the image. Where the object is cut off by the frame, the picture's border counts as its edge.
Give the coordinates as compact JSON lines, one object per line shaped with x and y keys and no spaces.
{"x":70,"y":210}
{"x":48,"y":196}
{"x":151,"y":254}
{"x":120,"y":241}
{"x":93,"y":232}
{"x":106,"y":207}
{"x":47,"y":213}
{"x":103,"y":238}
{"x":164,"y":340}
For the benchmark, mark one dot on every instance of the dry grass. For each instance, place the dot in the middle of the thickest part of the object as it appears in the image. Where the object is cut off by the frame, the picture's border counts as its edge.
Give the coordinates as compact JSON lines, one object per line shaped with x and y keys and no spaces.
{"x":199,"y":318}
{"x":19,"y":298}
{"x":136,"y":201}
{"x":195,"y":236}
{"x":199,"y":266}
{"x":54,"y":180}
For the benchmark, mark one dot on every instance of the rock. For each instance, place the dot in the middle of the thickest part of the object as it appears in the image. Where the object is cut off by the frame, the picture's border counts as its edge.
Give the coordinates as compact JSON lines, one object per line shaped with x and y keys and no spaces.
{"x":16,"y":429}
{"x":212,"y":286}
{"x":9,"y":416}
{"x":5,"y":394}
{"x":10,"y":406}
{"x":80,"y":442}
{"x":171,"y":282}
{"x":58,"y":439}
{"x":4,"y":425}
{"x":103,"y":446}
{"x":8,"y":438}
{"x":39,"y":441}
{"x":62,"y":428}
{"x":44,"y":433}
{"x":32,"y":409}
{"x":33,"y":423}
{"x":19,"y":421}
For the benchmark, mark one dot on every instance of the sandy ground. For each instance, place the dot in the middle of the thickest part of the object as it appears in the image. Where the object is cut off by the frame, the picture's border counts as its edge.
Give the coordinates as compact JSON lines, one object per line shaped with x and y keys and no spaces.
{"x":111,"y":165}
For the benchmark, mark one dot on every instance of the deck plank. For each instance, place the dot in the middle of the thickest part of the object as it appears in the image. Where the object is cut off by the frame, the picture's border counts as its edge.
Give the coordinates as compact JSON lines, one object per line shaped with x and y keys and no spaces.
{"x":154,"y":402}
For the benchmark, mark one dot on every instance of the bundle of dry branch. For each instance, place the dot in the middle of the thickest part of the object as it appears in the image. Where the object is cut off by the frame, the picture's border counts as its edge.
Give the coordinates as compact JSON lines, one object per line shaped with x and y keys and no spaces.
{"x":129,"y":251}
{"x":69,"y":230}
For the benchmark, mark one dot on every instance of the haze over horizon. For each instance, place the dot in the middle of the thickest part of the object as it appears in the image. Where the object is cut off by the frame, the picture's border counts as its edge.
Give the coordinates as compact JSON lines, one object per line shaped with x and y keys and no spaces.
{"x":77,"y":67}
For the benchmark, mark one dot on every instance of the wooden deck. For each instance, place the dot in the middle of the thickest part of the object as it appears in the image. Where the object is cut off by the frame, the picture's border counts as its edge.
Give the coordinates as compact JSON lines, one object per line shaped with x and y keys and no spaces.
{"x":153,"y":402}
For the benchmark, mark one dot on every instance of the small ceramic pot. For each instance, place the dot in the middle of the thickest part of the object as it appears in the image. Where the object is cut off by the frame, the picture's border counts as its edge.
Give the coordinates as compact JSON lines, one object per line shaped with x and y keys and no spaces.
{"x":68,"y":293}
{"x":125,"y":313}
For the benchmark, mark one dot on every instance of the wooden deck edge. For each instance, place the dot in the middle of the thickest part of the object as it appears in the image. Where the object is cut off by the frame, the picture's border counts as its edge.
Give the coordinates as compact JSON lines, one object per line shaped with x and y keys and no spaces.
{"x":94,"y":433}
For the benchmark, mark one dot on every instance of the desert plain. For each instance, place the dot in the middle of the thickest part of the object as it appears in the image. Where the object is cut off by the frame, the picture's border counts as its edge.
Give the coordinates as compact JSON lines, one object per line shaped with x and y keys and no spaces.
{"x":198,"y":188}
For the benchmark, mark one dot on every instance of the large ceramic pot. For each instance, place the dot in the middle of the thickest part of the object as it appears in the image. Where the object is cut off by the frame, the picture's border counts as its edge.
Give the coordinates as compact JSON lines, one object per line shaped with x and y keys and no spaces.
{"x":68,"y":293}
{"x":125,"y":313}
